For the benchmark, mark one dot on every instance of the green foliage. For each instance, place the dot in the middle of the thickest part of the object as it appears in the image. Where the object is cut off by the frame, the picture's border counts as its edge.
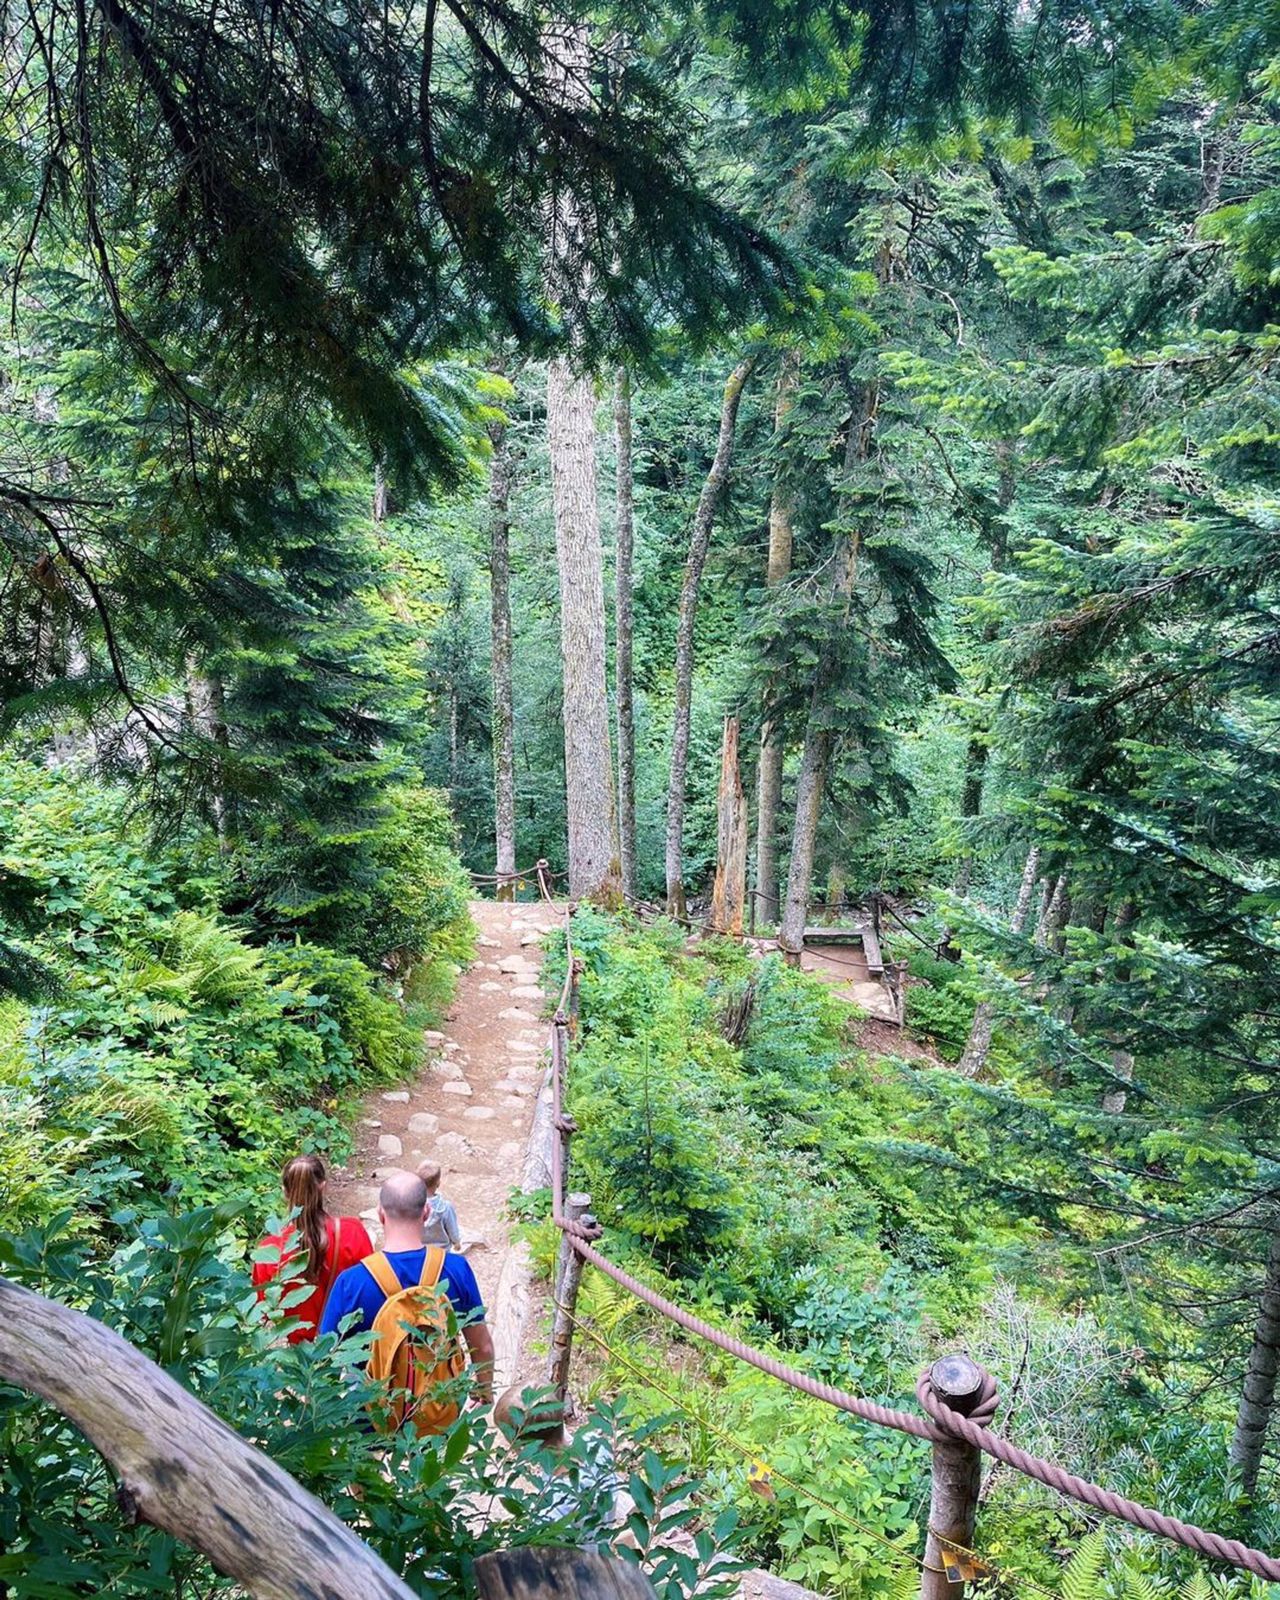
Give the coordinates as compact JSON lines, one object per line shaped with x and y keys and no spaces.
{"x":940,"y":1003}
{"x":175,"y":1053}
{"x":178,"y":1288}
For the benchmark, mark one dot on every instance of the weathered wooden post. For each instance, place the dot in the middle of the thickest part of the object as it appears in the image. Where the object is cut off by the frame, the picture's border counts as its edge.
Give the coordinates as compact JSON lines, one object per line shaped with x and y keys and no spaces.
{"x":728,"y":897}
{"x":957,"y":1477}
{"x":577,"y":1208}
{"x":541,"y":1572}
{"x":544,"y":882}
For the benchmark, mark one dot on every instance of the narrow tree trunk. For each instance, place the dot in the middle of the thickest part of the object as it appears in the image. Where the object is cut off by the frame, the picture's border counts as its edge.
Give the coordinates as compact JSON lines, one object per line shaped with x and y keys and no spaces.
{"x":975,"y":760}
{"x":382,"y":506}
{"x":728,"y":898}
{"x":1054,"y":909}
{"x":772,"y":750}
{"x":622,"y":670}
{"x":588,"y":757}
{"x":979,"y":1042}
{"x":504,"y":749}
{"x":1258,"y":1395}
{"x":835,"y":891}
{"x":819,"y":736}
{"x":699,"y":542}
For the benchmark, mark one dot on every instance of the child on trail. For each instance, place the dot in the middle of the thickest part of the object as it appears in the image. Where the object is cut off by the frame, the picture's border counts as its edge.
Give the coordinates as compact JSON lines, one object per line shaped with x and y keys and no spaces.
{"x":441,"y":1226}
{"x":328,"y":1245}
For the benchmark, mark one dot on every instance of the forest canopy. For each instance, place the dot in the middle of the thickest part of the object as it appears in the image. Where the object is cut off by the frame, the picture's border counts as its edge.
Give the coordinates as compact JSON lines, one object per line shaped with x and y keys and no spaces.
{"x":812,"y":459}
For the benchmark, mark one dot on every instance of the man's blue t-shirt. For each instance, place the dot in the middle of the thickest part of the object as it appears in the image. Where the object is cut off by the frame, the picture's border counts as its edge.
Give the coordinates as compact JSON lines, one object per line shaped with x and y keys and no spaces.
{"x":355,"y":1290}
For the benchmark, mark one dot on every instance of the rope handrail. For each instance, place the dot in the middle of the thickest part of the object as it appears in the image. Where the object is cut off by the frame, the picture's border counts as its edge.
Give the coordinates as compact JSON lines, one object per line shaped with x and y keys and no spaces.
{"x":526,"y":874}
{"x":940,"y":1422}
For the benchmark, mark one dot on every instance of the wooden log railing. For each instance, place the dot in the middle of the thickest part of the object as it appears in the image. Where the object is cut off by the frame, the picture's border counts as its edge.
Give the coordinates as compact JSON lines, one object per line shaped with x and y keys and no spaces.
{"x":179,"y":1467}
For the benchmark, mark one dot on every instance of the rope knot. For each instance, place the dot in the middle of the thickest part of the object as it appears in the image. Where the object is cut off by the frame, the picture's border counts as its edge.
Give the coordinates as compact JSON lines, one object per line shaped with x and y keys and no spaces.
{"x":957,"y":1395}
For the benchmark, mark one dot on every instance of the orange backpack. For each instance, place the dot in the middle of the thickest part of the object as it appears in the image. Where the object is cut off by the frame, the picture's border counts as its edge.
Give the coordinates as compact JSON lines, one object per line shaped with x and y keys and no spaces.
{"x":416,"y":1348}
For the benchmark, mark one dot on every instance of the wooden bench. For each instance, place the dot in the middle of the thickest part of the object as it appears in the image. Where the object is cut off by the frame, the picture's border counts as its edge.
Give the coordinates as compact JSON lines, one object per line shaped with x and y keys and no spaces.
{"x":871,"y":949}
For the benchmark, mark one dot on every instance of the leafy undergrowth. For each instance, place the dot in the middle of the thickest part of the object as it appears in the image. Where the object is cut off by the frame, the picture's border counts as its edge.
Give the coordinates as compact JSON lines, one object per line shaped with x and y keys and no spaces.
{"x":163,"y":1056}
{"x":777,"y":1186}
{"x":179,"y":1290}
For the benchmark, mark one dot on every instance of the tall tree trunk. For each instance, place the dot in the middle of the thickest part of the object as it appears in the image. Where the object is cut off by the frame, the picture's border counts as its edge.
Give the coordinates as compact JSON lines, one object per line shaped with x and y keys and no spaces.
{"x":772,"y":752}
{"x":979,"y":1042}
{"x":1051,"y":919}
{"x":729,"y":895}
{"x":819,"y":737}
{"x":504,"y":749}
{"x":622,"y":668}
{"x":571,"y":436}
{"x":1258,"y":1395}
{"x":588,"y":756}
{"x":975,"y":761}
{"x":699,"y":542}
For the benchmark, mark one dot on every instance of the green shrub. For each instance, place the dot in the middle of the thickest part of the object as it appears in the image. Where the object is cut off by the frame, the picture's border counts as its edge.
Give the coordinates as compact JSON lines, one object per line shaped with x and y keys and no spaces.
{"x":180,"y":1292}
{"x":383,"y":1044}
{"x":417,"y":908}
{"x":173,"y":1052}
{"x":940,"y":1004}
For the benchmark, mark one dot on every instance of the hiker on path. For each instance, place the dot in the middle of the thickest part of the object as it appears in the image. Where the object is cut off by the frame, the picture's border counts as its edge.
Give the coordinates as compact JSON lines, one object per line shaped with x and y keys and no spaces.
{"x":441,"y":1226}
{"x":327,"y":1245}
{"x":405,"y":1264}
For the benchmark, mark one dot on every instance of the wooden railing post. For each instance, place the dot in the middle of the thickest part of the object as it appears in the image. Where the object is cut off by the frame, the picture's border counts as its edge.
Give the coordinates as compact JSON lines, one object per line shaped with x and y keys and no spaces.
{"x":957,"y":1477}
{"x":577,"y":1208}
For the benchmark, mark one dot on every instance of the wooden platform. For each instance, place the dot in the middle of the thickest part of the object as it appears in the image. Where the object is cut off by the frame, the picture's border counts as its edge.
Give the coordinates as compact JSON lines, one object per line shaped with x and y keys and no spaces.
{"x":844,"y":962}
{"x":863,"y":939}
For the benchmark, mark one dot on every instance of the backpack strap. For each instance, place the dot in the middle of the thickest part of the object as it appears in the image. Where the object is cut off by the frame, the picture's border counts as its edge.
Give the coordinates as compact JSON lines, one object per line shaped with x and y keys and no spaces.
{"x":383,"y":1273}
{"x":432,"y":1266}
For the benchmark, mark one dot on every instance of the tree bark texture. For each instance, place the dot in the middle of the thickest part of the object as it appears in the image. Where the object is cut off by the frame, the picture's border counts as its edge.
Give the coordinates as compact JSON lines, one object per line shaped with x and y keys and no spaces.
{"x":538,"y":1572}
{"x":1257,"y":1398}
{"x":975,"y":762}
{"x":819,"y":737}
{"x":1051,"y":920}
{"x":772,"y":751}
{"x":502,"y":473}
{"x":181,"y":1468}
{"x":624,"y":684}
{"x":588,"y":754}
{"x":728,"y":899}
{"x":978,"y":1043}
{"x":699,"y":543}
{"x":1117,"y":1097}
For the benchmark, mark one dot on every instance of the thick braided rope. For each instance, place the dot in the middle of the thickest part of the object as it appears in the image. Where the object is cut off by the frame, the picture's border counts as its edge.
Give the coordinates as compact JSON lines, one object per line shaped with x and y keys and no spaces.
{"x":1093,"y":1494}
{"x":940,"y":1423}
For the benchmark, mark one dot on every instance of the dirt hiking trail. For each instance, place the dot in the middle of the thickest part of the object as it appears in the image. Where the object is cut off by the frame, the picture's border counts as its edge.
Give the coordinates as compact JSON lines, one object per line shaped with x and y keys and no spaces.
{"x":470,"y":1109}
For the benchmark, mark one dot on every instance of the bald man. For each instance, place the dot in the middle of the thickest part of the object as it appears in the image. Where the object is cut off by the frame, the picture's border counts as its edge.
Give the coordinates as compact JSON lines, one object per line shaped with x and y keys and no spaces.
{"x":402,"y":1206}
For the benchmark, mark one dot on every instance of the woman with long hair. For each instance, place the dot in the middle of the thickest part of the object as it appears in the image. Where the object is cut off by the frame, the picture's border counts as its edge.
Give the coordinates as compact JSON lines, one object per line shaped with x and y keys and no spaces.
{"x":323,"y":1246}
